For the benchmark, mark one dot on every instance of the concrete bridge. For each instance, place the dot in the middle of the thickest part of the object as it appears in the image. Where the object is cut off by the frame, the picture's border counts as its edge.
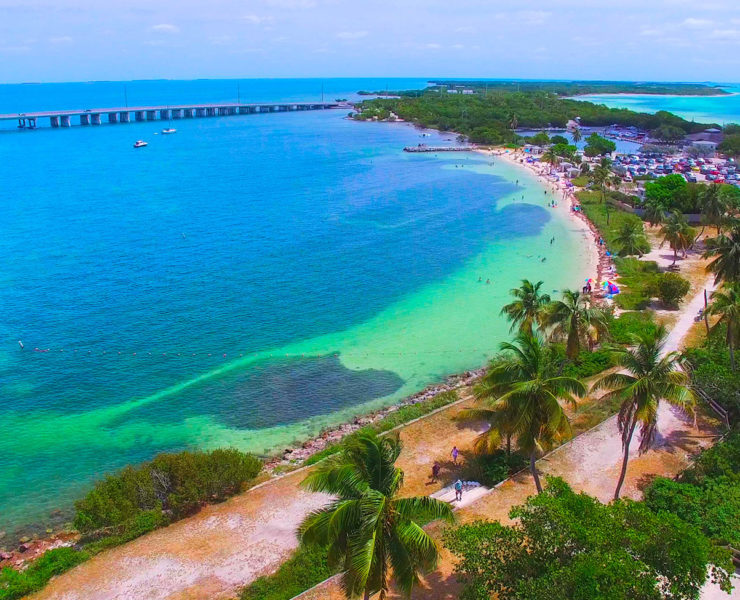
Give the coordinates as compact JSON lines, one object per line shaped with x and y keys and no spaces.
{"x":97,"y":116}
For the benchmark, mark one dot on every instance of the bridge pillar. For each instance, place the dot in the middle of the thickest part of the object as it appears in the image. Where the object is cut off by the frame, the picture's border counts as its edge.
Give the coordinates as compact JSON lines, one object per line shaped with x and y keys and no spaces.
{"x":151,"y":115}
{"x":95,"y":118}
{"x":54,"y":121}
{"x":164,"y":114}
{"x":176,"y":113}
{"x":200,"y":112}
{"x":32,"y":123}
{"x":112,"y":117}
{"x":243,"y":110}
{"x":65,"y":121}
{"x":188,"y":113}
{"x":139,"y":115}
{"x":84,"y":119}
{"x":125,"y":117}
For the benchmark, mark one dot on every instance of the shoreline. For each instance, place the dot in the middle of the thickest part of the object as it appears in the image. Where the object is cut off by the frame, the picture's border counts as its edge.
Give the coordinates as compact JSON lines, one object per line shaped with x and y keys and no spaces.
{"x":294,"y":455}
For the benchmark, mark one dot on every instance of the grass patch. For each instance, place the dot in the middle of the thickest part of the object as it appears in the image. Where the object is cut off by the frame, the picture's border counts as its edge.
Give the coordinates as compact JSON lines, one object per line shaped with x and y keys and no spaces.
{"x":581,"y":181}
{"x":631,"y":323}
{"x":307,"y":567}
{"x":639,"y":277}
{"x":17,"y":584}
{"x":607,"y":218}
{"x":403,"y":415}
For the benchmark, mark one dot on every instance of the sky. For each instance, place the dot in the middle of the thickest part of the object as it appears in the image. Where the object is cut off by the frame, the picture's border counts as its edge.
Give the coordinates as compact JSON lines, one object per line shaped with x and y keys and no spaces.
{"x":657,"y":40}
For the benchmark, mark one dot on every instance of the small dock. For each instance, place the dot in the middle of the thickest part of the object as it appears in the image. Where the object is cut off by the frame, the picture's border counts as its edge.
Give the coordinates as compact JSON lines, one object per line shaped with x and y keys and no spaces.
{"x":423,"y":148}
{"x":98,"y":116}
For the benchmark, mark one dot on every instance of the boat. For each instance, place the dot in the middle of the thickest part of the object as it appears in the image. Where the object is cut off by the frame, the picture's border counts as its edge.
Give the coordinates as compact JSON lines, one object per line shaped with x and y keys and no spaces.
{"x":140,"y":144}
{"x":169,"y":130}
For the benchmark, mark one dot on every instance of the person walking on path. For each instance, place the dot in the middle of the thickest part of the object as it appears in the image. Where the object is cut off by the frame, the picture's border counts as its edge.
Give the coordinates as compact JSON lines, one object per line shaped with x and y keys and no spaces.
{"x":458,"y":490}
{"x":455,"y":453}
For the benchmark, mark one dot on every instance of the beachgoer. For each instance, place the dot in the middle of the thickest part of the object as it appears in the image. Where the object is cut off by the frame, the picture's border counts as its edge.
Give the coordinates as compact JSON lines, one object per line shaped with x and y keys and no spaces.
{"x":480,"y":279}
{"x":458,"y":490}
{"x":455,"y":453}
{"x":488,"y":282}
{"x":435,"y":471}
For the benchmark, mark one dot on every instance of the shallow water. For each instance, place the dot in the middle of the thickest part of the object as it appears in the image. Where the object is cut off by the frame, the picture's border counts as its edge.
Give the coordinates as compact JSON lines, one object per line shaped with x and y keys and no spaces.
{"x":243,"y":282}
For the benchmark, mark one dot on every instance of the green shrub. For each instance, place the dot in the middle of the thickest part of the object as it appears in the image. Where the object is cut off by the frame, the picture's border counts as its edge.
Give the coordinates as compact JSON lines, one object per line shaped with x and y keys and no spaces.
{"x":631,"y":323}
{"x":632,"y":300}
{"x":491,"y":469}
{"x":15,"y":584}
{"x":670,"y":288}
{"x":171,"y":484}
{"x":589,"y":363}
{"x":307,"y":567}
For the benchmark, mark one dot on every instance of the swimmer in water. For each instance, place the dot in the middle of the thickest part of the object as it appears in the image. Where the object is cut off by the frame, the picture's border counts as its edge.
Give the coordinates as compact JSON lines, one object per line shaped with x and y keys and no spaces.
{"x":480,"y":279}
{"x":488,"y":281}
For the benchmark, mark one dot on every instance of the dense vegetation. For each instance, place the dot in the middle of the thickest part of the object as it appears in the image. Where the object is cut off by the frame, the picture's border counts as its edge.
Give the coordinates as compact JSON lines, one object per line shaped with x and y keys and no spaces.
{"x":568,"y":545}
{"x":492,"y":118}
{"x":168,"y":488}
{"x":15,"y":584}
{"x":572,"y":88}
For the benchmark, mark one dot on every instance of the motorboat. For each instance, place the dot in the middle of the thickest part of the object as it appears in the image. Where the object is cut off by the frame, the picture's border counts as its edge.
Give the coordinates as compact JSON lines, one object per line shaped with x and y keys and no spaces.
{"x":140,"y":144}
{"x":168,"y":130}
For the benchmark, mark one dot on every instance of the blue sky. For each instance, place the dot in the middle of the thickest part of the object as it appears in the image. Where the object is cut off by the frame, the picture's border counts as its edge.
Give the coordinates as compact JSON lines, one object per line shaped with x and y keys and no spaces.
{"x":74,"y":40}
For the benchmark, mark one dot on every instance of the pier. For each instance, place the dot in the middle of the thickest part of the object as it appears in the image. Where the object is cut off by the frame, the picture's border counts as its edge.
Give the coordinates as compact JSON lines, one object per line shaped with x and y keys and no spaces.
{"x":98,"y":116}
{"x":423,"y":148}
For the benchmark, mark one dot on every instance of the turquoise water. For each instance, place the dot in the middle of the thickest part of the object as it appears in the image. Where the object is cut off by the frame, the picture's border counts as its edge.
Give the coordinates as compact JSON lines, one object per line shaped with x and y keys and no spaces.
{"x":244,"y":282}
{"x":703,"y":109}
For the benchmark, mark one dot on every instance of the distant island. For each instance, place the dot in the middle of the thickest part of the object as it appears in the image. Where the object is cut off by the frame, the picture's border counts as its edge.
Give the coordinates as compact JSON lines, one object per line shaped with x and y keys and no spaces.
{"x":570,"y":88}
{"x":492,"y":117}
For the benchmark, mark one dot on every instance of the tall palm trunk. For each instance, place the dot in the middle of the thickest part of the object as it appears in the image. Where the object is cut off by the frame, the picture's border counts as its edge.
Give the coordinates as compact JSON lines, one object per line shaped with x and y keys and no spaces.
{"x":625,"y":459}
{"x":533,"y":468}
{"x":508,"y":444}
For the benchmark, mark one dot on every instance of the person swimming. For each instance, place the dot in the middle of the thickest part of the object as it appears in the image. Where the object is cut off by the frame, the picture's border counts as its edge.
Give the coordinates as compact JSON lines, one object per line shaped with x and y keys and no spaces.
{"x":488,"y":282}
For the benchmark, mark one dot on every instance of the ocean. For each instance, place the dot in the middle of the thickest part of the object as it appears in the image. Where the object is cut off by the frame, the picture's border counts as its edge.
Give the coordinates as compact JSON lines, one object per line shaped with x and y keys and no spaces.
{"x":702,"y":109}
{"x":244,"y":282}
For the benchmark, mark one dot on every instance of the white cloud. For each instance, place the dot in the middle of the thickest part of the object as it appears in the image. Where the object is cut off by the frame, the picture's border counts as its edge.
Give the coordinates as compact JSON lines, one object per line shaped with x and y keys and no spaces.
{"x":697,"y":23}
{"x":351,"y":35}
{"x":257,"y":19}
{"x":433,"y":46}
{"x":457,"y":46}
{"x":532,"y":17}
{"x":62,"y":39}
{"x":291,"y":4}
{"x":166,"y":28}
{"x":725,"y":34}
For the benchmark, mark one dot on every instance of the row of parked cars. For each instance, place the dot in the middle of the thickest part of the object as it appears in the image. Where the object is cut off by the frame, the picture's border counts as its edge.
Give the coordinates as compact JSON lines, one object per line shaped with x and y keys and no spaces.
{"x":630,"y":166}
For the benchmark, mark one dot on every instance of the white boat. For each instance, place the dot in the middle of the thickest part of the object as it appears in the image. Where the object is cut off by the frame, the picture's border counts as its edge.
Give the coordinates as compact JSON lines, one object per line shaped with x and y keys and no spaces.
{"x":169,"y":130}
{"x":140,"y":144}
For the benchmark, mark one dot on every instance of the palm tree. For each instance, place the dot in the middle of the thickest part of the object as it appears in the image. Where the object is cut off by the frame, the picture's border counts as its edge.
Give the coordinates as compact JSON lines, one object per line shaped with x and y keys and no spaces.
{"x":550,"y":157}
{"x":648,"y":376}
{"x":514,"y":122}
{"x":576,"y":321}
{"x":600,"y":178}
{"x":725,"y":249}
{"x":713,"y":206}
{"x":367,"y":528}
{"x":726,"y":305}
{"x":677,"y":233}
{"x":527,"y":308}
{"x":577,"y":135}
{"x":630,"y":239}
{"x":523,"y":391}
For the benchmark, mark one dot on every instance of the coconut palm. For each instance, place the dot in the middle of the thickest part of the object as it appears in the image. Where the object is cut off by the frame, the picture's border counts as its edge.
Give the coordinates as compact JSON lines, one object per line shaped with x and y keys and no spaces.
{"x":600,"y":177}
{"x":677,"y":233}
{"x":370,"y":532}
{"x":713,"y":206}
{"x":527,"y":308}
{"x":631,"y":239}
{"x":523,"y":390}
{"x":576,"y":321}
{"x":550,"y":157}
{"x":577,"y":135}
{"x":648,"y":376}
{"x":726,"y":305}
{"x":725,"y":249}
